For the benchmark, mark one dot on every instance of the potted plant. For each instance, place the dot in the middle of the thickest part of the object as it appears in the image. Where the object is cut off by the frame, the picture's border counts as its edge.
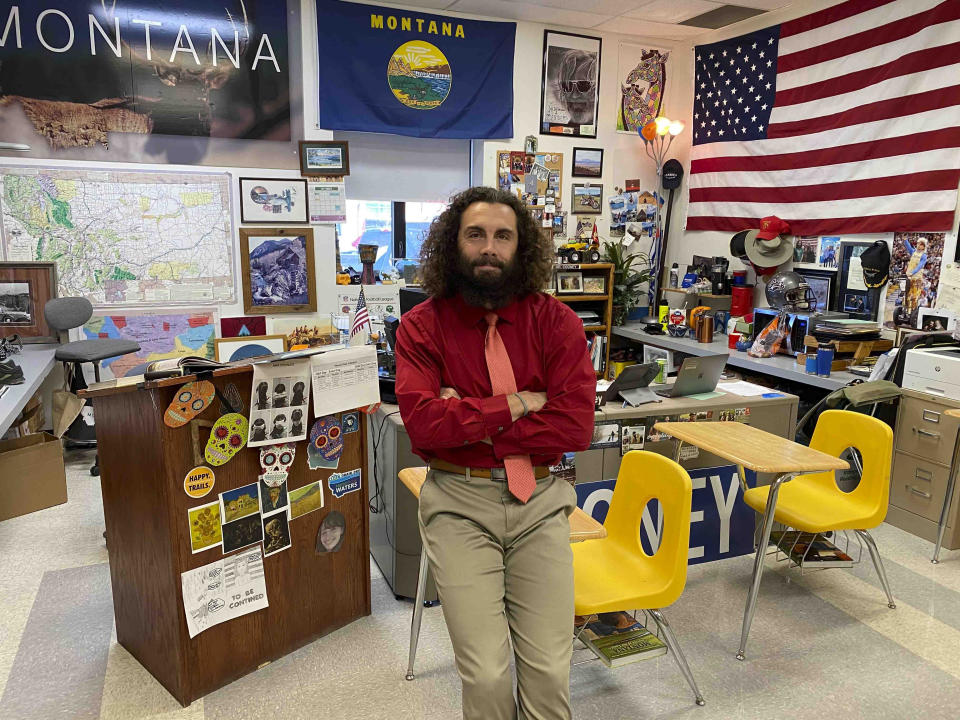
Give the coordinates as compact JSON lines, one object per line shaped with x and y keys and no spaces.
{"x":630,"y":272}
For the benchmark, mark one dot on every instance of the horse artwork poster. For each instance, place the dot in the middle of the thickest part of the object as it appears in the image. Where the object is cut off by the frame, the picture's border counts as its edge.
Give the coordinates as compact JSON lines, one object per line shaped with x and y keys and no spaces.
{"x":642,"y":76}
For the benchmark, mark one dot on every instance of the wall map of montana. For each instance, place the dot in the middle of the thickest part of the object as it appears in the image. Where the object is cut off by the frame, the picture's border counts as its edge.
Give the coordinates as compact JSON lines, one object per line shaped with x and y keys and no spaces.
{"x":123,"y":238}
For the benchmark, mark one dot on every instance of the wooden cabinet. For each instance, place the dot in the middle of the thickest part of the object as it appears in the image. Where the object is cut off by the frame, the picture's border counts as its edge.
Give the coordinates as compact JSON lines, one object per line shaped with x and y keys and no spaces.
{"x":923,"y":450}
{"x":589,"y":299}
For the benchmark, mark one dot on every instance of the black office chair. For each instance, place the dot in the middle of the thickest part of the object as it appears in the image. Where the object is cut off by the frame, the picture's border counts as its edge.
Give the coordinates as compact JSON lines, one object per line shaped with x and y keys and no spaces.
{"x":64,"y":314}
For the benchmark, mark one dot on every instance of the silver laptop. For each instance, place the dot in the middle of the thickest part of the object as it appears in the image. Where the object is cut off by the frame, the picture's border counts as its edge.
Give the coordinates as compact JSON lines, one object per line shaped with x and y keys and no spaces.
{"x":697,"y":375}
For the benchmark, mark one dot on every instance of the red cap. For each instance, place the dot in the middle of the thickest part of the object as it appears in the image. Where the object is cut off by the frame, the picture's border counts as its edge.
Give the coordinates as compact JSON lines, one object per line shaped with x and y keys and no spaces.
{"x":772,"y":226}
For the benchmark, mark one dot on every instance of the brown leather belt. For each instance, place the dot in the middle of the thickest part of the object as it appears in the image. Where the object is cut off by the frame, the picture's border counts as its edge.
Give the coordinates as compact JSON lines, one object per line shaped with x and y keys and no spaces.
{"x":493,"y":473}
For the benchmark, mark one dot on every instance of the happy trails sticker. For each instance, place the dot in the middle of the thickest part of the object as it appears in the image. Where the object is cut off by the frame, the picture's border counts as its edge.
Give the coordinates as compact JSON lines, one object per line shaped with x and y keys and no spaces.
{"x":199,"y":482}
{"x":345,"y":482}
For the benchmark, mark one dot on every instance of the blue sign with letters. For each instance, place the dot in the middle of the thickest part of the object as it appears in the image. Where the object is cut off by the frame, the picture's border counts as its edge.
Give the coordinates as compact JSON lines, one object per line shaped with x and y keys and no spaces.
{"x":721,"y":524}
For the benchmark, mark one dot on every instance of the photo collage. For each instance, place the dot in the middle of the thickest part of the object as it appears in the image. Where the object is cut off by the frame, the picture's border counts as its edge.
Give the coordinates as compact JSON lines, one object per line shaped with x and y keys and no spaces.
{"x":279,"y":403}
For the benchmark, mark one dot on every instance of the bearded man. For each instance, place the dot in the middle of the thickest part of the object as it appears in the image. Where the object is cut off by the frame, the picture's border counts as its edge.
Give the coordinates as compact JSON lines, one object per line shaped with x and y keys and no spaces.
{"x":494,"y":383}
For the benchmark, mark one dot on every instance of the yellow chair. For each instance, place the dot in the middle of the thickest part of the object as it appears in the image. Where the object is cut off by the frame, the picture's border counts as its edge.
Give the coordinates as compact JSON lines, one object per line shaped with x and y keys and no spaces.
{"x":814,"y":504}
{"x":616,"y":573}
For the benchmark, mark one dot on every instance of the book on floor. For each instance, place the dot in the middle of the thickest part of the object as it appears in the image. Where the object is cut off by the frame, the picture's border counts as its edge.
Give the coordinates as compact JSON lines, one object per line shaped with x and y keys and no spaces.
{"x":811,"y":550}
{"x":617,"y":639}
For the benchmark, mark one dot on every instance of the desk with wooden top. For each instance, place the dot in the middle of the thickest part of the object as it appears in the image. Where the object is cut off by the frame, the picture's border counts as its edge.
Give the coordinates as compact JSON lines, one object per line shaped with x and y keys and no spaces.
{"x":143,"y":465}
{"x":751,"y":448}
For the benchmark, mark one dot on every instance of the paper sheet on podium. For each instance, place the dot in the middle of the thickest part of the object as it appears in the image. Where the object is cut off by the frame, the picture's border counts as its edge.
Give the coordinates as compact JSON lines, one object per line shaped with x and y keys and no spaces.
{"x":223,"y":590}
{"x":344,"y":380}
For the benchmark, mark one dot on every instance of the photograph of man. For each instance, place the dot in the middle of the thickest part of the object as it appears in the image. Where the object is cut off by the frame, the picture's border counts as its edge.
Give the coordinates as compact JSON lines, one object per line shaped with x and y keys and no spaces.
{"x":298,"y":390}
{"x":276,"y":533}
{"x":272,"y":498}
{"x":263,"y":399}
{"x":296,"y":418}
{"x":258,"y":430}
{"x":332,"y":530}
{"x":494,"y":385}
{"x":280,"y":393}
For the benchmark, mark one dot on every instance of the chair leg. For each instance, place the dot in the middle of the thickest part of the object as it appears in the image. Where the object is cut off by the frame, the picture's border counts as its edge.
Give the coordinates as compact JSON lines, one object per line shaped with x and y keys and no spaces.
{"x":418,"y":610}
{"x":677,"y":653}
{"x":878,"y":564}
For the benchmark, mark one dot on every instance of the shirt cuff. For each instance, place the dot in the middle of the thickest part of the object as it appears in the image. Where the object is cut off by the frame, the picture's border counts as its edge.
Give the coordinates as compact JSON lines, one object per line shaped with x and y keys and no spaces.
{"x":496,"y":414}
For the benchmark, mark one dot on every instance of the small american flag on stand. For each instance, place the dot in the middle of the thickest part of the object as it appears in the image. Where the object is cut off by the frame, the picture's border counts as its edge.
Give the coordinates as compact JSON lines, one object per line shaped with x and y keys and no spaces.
{"x":843,"y":121}
{"x":361,"y":318}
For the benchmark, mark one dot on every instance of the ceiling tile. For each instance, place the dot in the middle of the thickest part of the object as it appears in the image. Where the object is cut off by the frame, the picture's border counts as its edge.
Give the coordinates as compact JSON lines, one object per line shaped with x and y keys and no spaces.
{"x":433,"y":4}
{"x":633,"y":26}
{"x":604,"y":7}
{"x":529,"y":12}
{"x":672,"y":11}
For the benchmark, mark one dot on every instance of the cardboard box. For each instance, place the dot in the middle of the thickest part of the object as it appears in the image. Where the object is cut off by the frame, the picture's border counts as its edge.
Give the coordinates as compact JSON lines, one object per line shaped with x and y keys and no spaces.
{"x":32,"y":476}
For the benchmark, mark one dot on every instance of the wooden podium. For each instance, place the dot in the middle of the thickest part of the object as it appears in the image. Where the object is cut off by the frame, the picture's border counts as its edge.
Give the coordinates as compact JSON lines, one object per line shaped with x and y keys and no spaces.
{"x":143,"y":464}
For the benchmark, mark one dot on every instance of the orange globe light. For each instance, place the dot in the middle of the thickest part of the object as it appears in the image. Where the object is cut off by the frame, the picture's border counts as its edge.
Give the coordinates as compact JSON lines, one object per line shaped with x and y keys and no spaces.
{"x":649,"y":131}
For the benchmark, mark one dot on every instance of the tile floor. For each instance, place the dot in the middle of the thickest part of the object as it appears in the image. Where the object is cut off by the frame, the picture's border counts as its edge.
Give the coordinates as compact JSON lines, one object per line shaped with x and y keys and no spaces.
{"x":822,"y":645}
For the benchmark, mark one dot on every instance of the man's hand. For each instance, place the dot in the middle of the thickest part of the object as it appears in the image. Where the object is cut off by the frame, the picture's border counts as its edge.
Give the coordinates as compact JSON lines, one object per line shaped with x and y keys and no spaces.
{"x":534,"y":400}
{"x":446,"y":393}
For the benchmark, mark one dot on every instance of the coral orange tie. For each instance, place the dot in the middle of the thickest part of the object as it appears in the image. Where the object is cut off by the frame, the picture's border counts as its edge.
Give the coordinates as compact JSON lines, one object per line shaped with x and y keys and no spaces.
{"x":520,"y":477}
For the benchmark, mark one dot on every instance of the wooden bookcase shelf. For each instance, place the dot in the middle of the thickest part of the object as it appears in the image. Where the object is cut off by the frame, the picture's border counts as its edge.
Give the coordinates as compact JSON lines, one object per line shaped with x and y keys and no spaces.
{"x":602,"y":301}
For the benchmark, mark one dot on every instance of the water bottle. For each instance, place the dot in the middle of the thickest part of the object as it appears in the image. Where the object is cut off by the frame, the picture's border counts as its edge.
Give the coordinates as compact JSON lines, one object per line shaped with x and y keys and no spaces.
{"x":675,"y":276}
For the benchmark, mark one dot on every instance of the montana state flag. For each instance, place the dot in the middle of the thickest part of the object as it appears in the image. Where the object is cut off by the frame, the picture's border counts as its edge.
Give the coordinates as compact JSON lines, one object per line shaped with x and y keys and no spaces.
{"x":404,"y":72}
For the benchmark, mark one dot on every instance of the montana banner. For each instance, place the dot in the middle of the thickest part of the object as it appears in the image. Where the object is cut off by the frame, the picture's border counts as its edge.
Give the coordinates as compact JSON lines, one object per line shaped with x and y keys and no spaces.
{"x":80,"y":70}
{"x":399,"y":71}
{"x":840,"y":122}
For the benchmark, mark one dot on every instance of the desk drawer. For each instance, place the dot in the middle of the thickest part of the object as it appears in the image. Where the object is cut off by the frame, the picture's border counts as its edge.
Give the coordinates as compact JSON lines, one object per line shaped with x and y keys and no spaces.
{"x":924,"y":430}
{"x":918,"y":486}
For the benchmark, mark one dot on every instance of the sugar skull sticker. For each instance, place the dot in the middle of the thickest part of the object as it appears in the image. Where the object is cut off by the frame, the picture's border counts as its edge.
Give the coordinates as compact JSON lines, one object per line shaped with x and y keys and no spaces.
{"x":227,"y":437}
{"x":276,"y":461}
{"x":326,"y":443}
{"x":191,"y":400}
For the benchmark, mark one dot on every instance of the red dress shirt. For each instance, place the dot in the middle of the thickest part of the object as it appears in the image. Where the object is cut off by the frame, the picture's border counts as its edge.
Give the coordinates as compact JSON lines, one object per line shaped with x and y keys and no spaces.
{"x":440,"y":343}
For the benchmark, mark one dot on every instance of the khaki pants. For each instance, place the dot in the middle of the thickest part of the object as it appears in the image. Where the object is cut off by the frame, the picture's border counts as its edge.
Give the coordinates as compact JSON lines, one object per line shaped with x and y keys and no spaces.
{"x":502,"y":567}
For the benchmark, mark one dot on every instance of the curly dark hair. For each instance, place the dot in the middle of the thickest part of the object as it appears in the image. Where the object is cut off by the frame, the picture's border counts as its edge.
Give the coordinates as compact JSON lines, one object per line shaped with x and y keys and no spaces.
{"x":440,"y":253}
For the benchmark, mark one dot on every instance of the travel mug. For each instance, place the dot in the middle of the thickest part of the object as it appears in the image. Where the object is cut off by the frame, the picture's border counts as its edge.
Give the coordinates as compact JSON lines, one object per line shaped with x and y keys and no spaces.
{"x":824,"y":361}
{"x":811,"y":366}
{"x":705,"y":328}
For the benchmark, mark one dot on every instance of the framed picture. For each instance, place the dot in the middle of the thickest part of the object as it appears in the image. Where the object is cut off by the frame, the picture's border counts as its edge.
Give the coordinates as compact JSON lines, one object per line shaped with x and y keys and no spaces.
{"x":25,"y":288}
{"x":816,"y":253}
{"x":594,"y":285}
{"x":931,"y":320}
{"x":328,"y":158}
{"x":273,"y":200}
{"x":278,"y":271}
{"x":587,"y":162}
{"x":587,"y":199}
{"x":570,"y":84}
{"x":569,"y":283}
{"x":853,"y":295}
{"x":822,"y":284}
{"x":243,"y":326}
{"x":241,"y":348}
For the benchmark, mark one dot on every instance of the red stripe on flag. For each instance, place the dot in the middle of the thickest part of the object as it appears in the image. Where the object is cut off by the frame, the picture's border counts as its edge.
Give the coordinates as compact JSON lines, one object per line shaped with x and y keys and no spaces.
{"x":898,"y":222}
{"x":855,"y":152}
{"x":914,"y":62}
{"x":871,"y":112}
{"x":897,"y":30}
{"x":830,"y":15}
{"x":917,"y":182}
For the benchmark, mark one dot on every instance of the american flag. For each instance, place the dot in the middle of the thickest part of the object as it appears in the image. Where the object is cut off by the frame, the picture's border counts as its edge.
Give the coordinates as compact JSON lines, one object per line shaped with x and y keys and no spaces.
{"x":842,"y":121}
{"x":361,"y":318}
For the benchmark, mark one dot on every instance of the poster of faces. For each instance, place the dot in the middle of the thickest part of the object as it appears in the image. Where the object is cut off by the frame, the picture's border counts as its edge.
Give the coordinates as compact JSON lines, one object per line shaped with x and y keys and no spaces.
{"x":570,"y":85}
{"x":279,"y":402}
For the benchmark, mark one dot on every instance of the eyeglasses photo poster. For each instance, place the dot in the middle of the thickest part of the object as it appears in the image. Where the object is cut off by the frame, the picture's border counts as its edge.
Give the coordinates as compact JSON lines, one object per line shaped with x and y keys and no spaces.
{"x":570,"y":85}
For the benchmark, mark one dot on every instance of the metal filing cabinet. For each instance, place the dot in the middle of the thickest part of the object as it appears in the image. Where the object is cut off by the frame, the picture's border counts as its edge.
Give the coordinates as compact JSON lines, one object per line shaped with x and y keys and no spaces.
{"x":923,"y":449}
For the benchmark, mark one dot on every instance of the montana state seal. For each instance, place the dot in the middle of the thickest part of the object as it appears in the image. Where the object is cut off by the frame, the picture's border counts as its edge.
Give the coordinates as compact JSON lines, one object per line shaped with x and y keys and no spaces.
{"x":419,"y":75}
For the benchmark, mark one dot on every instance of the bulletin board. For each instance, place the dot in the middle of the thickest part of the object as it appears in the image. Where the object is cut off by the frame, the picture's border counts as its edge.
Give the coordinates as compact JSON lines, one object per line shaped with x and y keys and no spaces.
{"x":537,"y":179}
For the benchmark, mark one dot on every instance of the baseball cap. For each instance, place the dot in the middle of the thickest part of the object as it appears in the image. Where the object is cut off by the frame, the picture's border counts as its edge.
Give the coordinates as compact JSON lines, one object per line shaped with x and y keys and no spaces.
{"x":875,"y":262}
{"x":772,"y":226}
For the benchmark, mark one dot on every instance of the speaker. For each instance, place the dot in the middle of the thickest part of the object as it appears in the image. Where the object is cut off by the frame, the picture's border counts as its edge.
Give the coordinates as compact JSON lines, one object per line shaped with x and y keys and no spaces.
{"x":671,"y":174}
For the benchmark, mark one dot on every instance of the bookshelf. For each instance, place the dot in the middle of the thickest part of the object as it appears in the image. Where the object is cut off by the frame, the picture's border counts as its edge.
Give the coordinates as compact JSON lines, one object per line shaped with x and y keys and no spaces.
{"x":585,"y":301}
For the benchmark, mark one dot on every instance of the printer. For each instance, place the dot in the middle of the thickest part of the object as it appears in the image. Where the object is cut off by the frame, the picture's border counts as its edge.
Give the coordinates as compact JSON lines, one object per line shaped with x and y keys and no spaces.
{"x":935,"y":371}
